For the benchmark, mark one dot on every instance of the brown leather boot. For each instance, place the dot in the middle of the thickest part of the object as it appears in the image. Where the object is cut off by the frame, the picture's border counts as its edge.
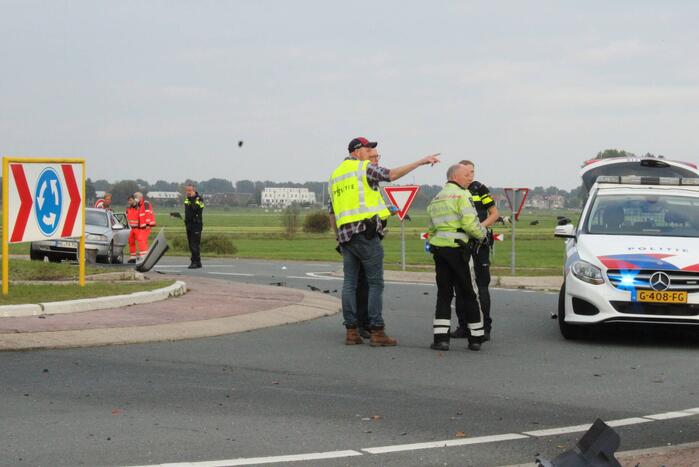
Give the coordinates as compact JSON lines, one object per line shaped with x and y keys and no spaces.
{"x":380,"y":339}
{"x":353,"y":337}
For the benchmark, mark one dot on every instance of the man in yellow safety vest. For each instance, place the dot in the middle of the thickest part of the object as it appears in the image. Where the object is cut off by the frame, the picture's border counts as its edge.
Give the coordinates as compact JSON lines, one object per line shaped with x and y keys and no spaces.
{"x":356,"y":211}
{"x":454,"y":229}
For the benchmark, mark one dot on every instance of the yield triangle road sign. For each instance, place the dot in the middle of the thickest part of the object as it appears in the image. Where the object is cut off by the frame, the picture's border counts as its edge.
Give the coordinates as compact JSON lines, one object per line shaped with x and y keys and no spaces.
{"x":515,"y":198}
{"x":401,"y":197}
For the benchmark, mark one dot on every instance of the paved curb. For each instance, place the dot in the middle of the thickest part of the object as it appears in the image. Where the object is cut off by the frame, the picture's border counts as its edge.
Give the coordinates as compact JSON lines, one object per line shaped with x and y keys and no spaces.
{"x":92,"y":304}
{"x":313,"y":305}
{"x":539,"y":283}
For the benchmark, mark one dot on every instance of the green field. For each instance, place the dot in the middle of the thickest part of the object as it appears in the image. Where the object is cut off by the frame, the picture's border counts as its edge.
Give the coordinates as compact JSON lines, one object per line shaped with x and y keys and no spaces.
{"x":257,"y":234}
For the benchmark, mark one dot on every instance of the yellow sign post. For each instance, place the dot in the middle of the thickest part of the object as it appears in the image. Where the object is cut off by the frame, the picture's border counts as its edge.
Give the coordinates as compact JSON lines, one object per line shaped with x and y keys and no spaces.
{"x":42,"y":199}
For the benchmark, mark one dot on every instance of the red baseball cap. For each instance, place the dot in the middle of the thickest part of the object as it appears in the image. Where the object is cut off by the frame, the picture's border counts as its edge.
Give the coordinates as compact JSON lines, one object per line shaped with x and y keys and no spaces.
{"x":360,"y":142}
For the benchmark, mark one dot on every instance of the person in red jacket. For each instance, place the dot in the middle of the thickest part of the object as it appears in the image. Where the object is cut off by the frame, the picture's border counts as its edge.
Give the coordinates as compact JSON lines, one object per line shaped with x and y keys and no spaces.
{"x":105,"y":203}
{"x":132,"y":219}
{"x":146,"y":221}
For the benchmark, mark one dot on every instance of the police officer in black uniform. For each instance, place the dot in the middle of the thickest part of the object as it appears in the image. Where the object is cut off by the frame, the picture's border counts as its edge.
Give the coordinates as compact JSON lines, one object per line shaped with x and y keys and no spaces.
{"x":487,"y":214}
{"x":194,"y":221}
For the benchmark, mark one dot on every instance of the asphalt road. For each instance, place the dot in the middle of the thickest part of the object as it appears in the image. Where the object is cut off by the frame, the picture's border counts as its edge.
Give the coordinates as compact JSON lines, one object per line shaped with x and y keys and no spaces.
{"x":297,"y":389}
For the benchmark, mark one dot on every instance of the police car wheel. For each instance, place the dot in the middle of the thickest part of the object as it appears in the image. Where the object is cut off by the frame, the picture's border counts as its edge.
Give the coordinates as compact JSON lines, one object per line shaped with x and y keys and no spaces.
{"x":569,"y":331}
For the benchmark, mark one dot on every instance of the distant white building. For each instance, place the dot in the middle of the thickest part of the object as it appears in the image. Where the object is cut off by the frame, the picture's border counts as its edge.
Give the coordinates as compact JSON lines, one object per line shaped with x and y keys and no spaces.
{"x":283,"y":197}
{"x":164,"y":198}
{"x":163,"y":195}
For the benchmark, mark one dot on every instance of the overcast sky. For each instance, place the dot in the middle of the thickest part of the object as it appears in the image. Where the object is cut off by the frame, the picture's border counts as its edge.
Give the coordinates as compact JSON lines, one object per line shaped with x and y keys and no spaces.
{"x":528,"y":90}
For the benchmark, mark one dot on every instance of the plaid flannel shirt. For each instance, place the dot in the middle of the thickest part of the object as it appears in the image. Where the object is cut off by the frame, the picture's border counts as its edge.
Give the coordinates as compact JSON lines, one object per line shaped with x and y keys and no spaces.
{"x":375,"y":174}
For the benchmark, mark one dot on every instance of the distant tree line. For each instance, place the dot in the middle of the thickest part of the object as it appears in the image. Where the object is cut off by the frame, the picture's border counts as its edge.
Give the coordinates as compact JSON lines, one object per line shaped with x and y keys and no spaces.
{"x":123,"y":188}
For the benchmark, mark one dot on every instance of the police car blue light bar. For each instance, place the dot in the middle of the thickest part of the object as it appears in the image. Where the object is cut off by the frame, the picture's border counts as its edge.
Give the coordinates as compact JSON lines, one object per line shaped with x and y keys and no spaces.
{"x":638,"y":180}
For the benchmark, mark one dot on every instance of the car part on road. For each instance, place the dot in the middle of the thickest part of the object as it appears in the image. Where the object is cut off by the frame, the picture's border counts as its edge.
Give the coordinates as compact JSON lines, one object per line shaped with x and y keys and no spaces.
{"x":595,"y":449}
{"x":158,"y":248}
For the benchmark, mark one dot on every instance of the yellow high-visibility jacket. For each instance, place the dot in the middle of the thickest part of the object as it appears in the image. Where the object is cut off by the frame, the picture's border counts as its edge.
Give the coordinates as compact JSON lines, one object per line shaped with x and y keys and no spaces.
{"x":352,"y":196}
{"x":453,"y":217}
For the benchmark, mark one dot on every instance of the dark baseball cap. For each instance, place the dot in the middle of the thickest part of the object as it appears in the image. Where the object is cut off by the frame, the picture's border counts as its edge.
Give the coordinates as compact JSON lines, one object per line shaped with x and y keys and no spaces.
{"x":361,"y":142}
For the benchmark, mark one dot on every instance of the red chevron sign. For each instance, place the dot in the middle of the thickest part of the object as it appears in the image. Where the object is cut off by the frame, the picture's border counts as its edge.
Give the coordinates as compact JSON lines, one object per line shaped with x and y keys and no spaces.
{"x":25,"y":206}
{"x":75,"y":199}
{"x":44,"y":199}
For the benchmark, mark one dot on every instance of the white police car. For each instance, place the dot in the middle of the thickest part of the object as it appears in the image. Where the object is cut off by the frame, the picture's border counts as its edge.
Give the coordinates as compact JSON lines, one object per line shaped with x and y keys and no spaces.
{"x":634,"y":257}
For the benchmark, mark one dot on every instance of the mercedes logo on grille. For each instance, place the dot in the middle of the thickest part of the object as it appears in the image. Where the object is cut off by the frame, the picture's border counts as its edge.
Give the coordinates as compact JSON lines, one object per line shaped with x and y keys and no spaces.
{"x":659,"y":281}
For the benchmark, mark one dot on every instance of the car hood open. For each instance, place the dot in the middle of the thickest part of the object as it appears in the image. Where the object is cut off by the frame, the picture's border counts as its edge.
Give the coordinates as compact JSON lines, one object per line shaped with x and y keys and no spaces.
{"x":640,"y":166}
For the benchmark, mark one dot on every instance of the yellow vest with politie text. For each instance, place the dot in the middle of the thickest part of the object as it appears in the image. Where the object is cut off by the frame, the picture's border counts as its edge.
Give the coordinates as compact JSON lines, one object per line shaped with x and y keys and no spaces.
{"x":352,"y":196}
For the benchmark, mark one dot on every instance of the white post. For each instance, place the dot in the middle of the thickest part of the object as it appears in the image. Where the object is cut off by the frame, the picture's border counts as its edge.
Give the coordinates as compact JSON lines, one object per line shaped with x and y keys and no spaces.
{"x":402,"y":244}
{"x":514,"y":221}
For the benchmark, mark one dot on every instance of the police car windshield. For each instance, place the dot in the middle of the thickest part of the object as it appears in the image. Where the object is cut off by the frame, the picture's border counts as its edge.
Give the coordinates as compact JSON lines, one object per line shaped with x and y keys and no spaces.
{"x":648,"y":215}
{"x":96,"y":218}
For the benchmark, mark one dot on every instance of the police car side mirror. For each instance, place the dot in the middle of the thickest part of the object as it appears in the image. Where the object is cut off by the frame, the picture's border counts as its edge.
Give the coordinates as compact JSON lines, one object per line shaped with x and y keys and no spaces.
{"x":564,"y":231}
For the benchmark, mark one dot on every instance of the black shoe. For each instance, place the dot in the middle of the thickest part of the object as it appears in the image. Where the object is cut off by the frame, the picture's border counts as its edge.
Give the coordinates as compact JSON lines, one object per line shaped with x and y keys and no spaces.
{"x":364,"y":332}
{"x":459,"y":333}
{"x":443,"y":346}
{"x":474,"y":345}
{"x":194,"y":266}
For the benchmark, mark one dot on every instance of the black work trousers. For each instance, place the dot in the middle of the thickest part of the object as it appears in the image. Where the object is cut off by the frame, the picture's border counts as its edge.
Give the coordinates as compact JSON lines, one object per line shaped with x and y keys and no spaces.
{"x":481,"y":268}
{"x":454,"y":278}
{"x":194,"y":240}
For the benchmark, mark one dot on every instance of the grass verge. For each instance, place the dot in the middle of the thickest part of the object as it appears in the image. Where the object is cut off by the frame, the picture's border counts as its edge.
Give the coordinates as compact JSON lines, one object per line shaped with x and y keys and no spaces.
{"x":23,"y":270}
{"x":38,"y":293}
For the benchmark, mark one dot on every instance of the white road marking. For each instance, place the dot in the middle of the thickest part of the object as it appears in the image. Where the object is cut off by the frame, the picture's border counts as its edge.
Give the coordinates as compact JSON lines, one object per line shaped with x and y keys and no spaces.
{"x":230,"y":273}
{"x":445,"y":443}
{"x":431,"y":444}
{"x":263,"y":460}
{"x":669,"y":415}
{"x":627,"y":421}
{"x":580,"y":428}
{"x":558,"y":431}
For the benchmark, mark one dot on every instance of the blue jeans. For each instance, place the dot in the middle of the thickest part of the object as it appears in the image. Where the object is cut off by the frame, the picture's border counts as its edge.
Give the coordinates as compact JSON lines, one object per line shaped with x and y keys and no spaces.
{"x":369,"y":254}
